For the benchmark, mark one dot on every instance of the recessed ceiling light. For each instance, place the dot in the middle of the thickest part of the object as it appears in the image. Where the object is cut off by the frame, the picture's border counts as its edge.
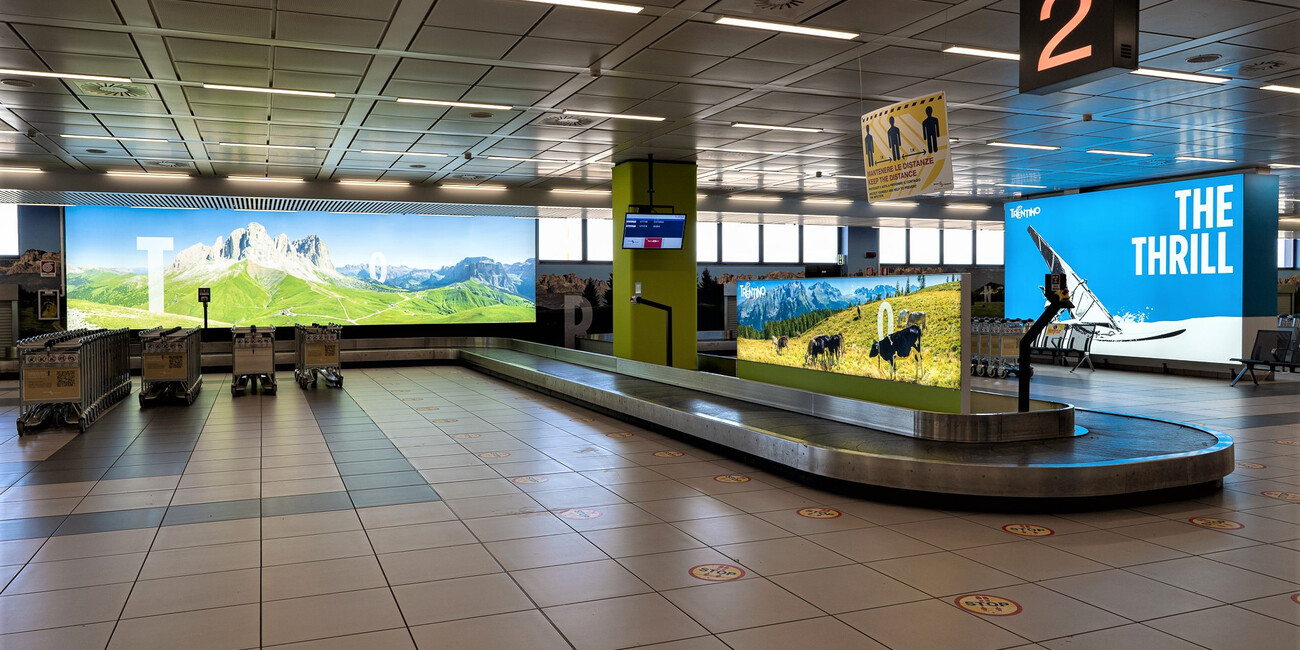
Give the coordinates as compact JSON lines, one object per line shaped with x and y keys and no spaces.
{"x":592,"y":4}
{"x":267,"y":179}
{"x":132,"y":174}
{"x":457,"y":186}
{"x":1203,"y":159}
{"x":21,"y":170}
{"x":1032,"y":187}
{"x":532,"y":160}
{"x":265,"y":146}
{"x":896,"y":204}
{"x":741,"y":197}
{"x":269,"y":91}
{"x":966,"y":206}
{"x":618,"y":116}
{"x":353,"y":181}
{"x":771,"y":127}
{"x":1180,"y":76}
{"x":109,"y":137}
{"x":569,"y":191}
{"x":1108,"y":152}
{"x":1017,"y":145}
{"x":64,"y":75}
{"x":404,"y":153}
{"x":784,"y":27}
{"x":975,"y":51}
{"x":438,"y":102}
{"x":829,"y":201}
{"x":1282,"y":89}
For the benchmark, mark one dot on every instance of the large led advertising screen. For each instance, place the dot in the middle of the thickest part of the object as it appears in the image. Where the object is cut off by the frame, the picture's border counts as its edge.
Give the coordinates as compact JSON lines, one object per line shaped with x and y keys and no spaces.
{"x":905,"y":328}
{"x":140,"y":268}
{"x":1160,"y":271}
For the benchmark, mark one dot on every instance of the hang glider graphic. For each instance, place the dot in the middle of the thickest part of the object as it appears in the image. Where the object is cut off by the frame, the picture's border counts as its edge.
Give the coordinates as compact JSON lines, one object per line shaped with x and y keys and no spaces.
{"x":1088,"y":310}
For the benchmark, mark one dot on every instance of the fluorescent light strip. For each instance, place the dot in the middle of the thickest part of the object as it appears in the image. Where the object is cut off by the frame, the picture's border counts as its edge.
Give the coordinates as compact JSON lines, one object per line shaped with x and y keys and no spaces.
{"x":486,"y":188}
{"x":267,"y":179}
{"x":1281,"y":89}
{"x":617,"y":116}
{"x":755,"y":198}
{"x":896,"y":204}
{"x":1284,"y":166}
{"x":159,"y":207}
{"x":1108,"y":152}
{"x":966,"y":206}
{"x":532,"y":160}
{"x":769,"y":153}
{"x":266,"y":146}
{"x":438,"y":102}
{"x":829,"y":201}
{"x":375,"y":214}
{"x":1203,"y":159}
{"x":147,"y":174}
{"x":1180,"y":76}
{"x":568,"y":191}
{"x":763,"y":173}
{"x":771,"y":127}
{"x":374,"y":183}
{"x":20,"y":170}
{"x":109,"y":137}
{"x":268,"y":91}
{"x":405,"y":153}
{"x":592,"y":4}
{"x":63,"y":75}
{"x":1032,"y":187}
{"x":783,"y":27}
{"x":975,"y":51}
{"x":1016,"y":145}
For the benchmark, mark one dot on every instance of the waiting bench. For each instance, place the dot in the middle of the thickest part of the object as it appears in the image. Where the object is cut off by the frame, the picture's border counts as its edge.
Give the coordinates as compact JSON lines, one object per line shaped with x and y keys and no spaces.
{"x":1274,"y":349}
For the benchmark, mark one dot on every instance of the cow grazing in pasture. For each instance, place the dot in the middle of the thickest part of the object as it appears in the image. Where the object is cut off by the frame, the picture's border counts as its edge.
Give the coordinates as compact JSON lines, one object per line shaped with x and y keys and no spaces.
{"x":909,"y":318}
{"x":780,"y":343}
{"x":899,"y":344}
{"x":816,"y":350}
{"x":834,"y":347}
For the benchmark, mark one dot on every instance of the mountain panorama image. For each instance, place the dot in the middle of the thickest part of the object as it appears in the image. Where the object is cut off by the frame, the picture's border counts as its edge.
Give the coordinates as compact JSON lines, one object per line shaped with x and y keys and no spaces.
{"x":143,"y":268}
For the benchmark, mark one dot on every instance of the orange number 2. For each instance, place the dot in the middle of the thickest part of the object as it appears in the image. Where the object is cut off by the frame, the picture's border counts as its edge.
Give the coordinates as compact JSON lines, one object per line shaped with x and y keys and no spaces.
{"x":1050,"y":60}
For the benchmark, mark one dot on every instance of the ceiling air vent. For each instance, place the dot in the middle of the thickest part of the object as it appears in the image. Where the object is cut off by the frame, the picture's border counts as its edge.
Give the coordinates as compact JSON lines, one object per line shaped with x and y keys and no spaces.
{"x":784,"y":10}
{"x":114,"y":89}
{"x":169,"y":164}
{"x":777,"y":5}
{"x":1204,"y":58}
{"x":470,"y":177}
{"x":567,"y":120}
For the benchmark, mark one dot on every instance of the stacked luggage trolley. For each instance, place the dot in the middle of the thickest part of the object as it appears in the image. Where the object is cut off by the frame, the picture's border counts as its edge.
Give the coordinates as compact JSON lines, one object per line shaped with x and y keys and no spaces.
{"x":318,"y":355}
{"x":997,"y":346}
{"x":171,"y":364}
{"x":72,"y":377}
{"x":252,"y":359}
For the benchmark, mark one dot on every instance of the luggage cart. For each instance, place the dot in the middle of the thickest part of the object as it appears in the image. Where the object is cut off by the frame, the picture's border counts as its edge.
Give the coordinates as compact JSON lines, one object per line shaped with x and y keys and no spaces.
{"x":318,"y":355}
{"x":252,"y":359}
{"x":171,"y":364}
{"x":981,"y":330}
{"x":72,"y":377}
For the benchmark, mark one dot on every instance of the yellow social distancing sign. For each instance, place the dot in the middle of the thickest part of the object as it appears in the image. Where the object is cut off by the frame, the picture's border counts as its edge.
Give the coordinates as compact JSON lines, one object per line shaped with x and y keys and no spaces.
{"x":905,"y":148}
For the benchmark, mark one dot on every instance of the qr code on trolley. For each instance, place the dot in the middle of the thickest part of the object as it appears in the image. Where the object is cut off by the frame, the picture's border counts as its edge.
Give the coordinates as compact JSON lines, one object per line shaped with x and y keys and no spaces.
{"x":175,"y":361}
{"x":65,"y":378}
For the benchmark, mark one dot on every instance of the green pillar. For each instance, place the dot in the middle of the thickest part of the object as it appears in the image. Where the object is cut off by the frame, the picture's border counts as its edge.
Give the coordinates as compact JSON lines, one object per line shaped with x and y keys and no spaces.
{"x":666,"y":276}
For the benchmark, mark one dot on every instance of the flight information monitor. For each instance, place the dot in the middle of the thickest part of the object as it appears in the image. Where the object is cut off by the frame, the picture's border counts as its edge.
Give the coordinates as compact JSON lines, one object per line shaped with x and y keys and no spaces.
{"x":654,"y":231}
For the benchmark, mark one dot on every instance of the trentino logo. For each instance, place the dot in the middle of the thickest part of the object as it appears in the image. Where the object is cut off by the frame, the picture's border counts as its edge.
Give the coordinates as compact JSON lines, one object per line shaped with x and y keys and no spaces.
{"x":1021,"y":212}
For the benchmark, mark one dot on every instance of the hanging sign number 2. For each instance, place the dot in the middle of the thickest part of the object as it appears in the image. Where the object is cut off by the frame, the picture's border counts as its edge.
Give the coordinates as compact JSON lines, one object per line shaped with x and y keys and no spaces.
{"x":1048,"y":57}
{"x":1066,"y":43}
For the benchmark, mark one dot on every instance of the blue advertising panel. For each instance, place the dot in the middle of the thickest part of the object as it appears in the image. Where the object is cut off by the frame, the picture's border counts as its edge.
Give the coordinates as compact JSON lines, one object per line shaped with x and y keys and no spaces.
{"x":1159,"y":271}
{"x":141,"y":268}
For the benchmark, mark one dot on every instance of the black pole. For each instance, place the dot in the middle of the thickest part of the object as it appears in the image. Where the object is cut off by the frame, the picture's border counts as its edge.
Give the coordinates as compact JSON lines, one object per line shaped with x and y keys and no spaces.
{"x":205,"y":315}
{"x":1026,"y":369}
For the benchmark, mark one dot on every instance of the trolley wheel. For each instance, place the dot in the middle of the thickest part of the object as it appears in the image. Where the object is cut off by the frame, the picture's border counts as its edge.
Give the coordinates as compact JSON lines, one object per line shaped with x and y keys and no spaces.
{"x":81,"y":425}
{"x":141,"y":400}
{"x":234,"y":391}
{"x":22,"y":428}
{"x":339,"y":383}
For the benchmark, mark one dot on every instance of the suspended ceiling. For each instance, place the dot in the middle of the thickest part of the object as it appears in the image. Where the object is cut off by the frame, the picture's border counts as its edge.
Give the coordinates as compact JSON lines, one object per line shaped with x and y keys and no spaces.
{"x":671,"y":60}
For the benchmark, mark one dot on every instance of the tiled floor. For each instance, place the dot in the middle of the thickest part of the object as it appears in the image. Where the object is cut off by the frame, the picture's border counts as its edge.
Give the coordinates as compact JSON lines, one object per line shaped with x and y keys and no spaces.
{"x":440,"y":508}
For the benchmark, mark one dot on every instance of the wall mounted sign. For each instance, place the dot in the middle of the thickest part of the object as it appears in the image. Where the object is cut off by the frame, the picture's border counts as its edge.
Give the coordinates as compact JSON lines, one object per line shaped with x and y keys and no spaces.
{"x":905,"y":149}
{"x":1067,"y":43}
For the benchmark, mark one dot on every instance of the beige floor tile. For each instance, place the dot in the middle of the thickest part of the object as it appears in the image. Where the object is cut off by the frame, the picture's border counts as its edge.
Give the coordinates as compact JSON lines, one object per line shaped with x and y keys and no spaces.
{"x":45,"y":609}
{"x":68,"y":547}
{"x":709,"y":642}
{"x":202,"y":559}
{"x":19,"y":551}
{"x":825,"y":633}
{"x":1049,"y":615}
{"x":672,"y":570}
{"x":870,"y":544}
{"x":617,"y":515}
{"x":81,"y":572}
{"x":494,"y":506}
{"x":653,"y":490}
{"x":438,"y":564}
{"x":323,"y":577}
{"x":399,"y":639}
{"x":717,"y":531}
{"x":224,"y":628}
{"x":930,"y":625}
{"x":189,"y":496}
{"x":728,"y":606}
{"x":703,"y":507}
{"x":448,"y":600}
{"x":1269,"y":559}
{"x":1112,"y":548}
{"x":572,"y":583}
{"x":537,"y":524}
{"x":847,"y":588}
{"x":1217,"y":580}
{"x":185,"y":593}
{"x":623,"y":622}
{"x":881,"y":514}
{"x":786,"y":555}
{"x":209,"y":533}
{"x":953,"y":533}
{"x":526,"y":629}
{"x":143,"y":484}
{"x":1281,"y":607}
{"x":312,"y":523}
{"x":1131,"y":596}
{"x":1127,"y":636}
{"x":396,"y":539}
{"x":943,"y":574}
{"x":329,"y":615}
{"x":38,"y":508}
{"x":642,"y":540}
{"x":532,"y":552}
{"x":311,"y":548}
{"x":480,"y":488}
{"x":49,"y":491}
{"x":94,"y":635}
{"x":1228,"y":628}
{"x":302,"y":486}
{"x":1031,"y":562}
{"x":405,"y":514}
{"x":124,"y":501}
{"x":300,"y":472}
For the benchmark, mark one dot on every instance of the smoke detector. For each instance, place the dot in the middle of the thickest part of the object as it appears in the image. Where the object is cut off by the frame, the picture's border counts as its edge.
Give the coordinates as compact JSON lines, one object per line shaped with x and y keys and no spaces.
{"x":114,"y":89}
{"x":567,"y":120}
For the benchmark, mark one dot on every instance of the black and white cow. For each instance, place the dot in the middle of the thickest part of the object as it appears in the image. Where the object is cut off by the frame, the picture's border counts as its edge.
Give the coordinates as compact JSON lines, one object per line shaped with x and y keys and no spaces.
{"x":816,"y":350}
{"x":780,"y":343}
{"x":899,"y":344}
{"x":834,"y":347}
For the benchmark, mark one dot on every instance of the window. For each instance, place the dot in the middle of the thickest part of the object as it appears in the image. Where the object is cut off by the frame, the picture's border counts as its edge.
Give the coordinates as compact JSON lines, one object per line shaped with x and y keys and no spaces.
{"x":923,"y":246}
{"x":988,"y":246}
{"x":781,"y":244}
{"x":559,"y":239}
{"x":957,"y":246}
{"x":600,"y":240}
{"x":8,"y":229}
{"x":1286,"y":253}
{"x":821,"y":244}
{"x":706,"y":242}
{"x":893,"y":246}
{"x":740,"y":242}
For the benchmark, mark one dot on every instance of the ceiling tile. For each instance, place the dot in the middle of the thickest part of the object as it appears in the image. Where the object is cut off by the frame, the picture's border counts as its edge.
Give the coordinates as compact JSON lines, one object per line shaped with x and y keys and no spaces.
{"x":997,"y":30}
{"x":708,"y":38}
{"x":78,"y":41}
{"x":551,"y":51}
{"x":881,"y":18}
{"x":504,"y":16}
{"x":291,"y":58}
{"x":749,"y":71}
{"x":372,"y":9}
{"x":328,"y":29}
{"x":476,"y":44}
{"x":1198,"y":18}
{"x":667,"y":62}
{"x":212,"y":18}
{"x":574,"y":24}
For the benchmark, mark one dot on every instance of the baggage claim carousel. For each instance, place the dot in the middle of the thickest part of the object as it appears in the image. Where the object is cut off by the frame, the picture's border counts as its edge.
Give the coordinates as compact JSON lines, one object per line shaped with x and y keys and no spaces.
{"x":1055,"y":451}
